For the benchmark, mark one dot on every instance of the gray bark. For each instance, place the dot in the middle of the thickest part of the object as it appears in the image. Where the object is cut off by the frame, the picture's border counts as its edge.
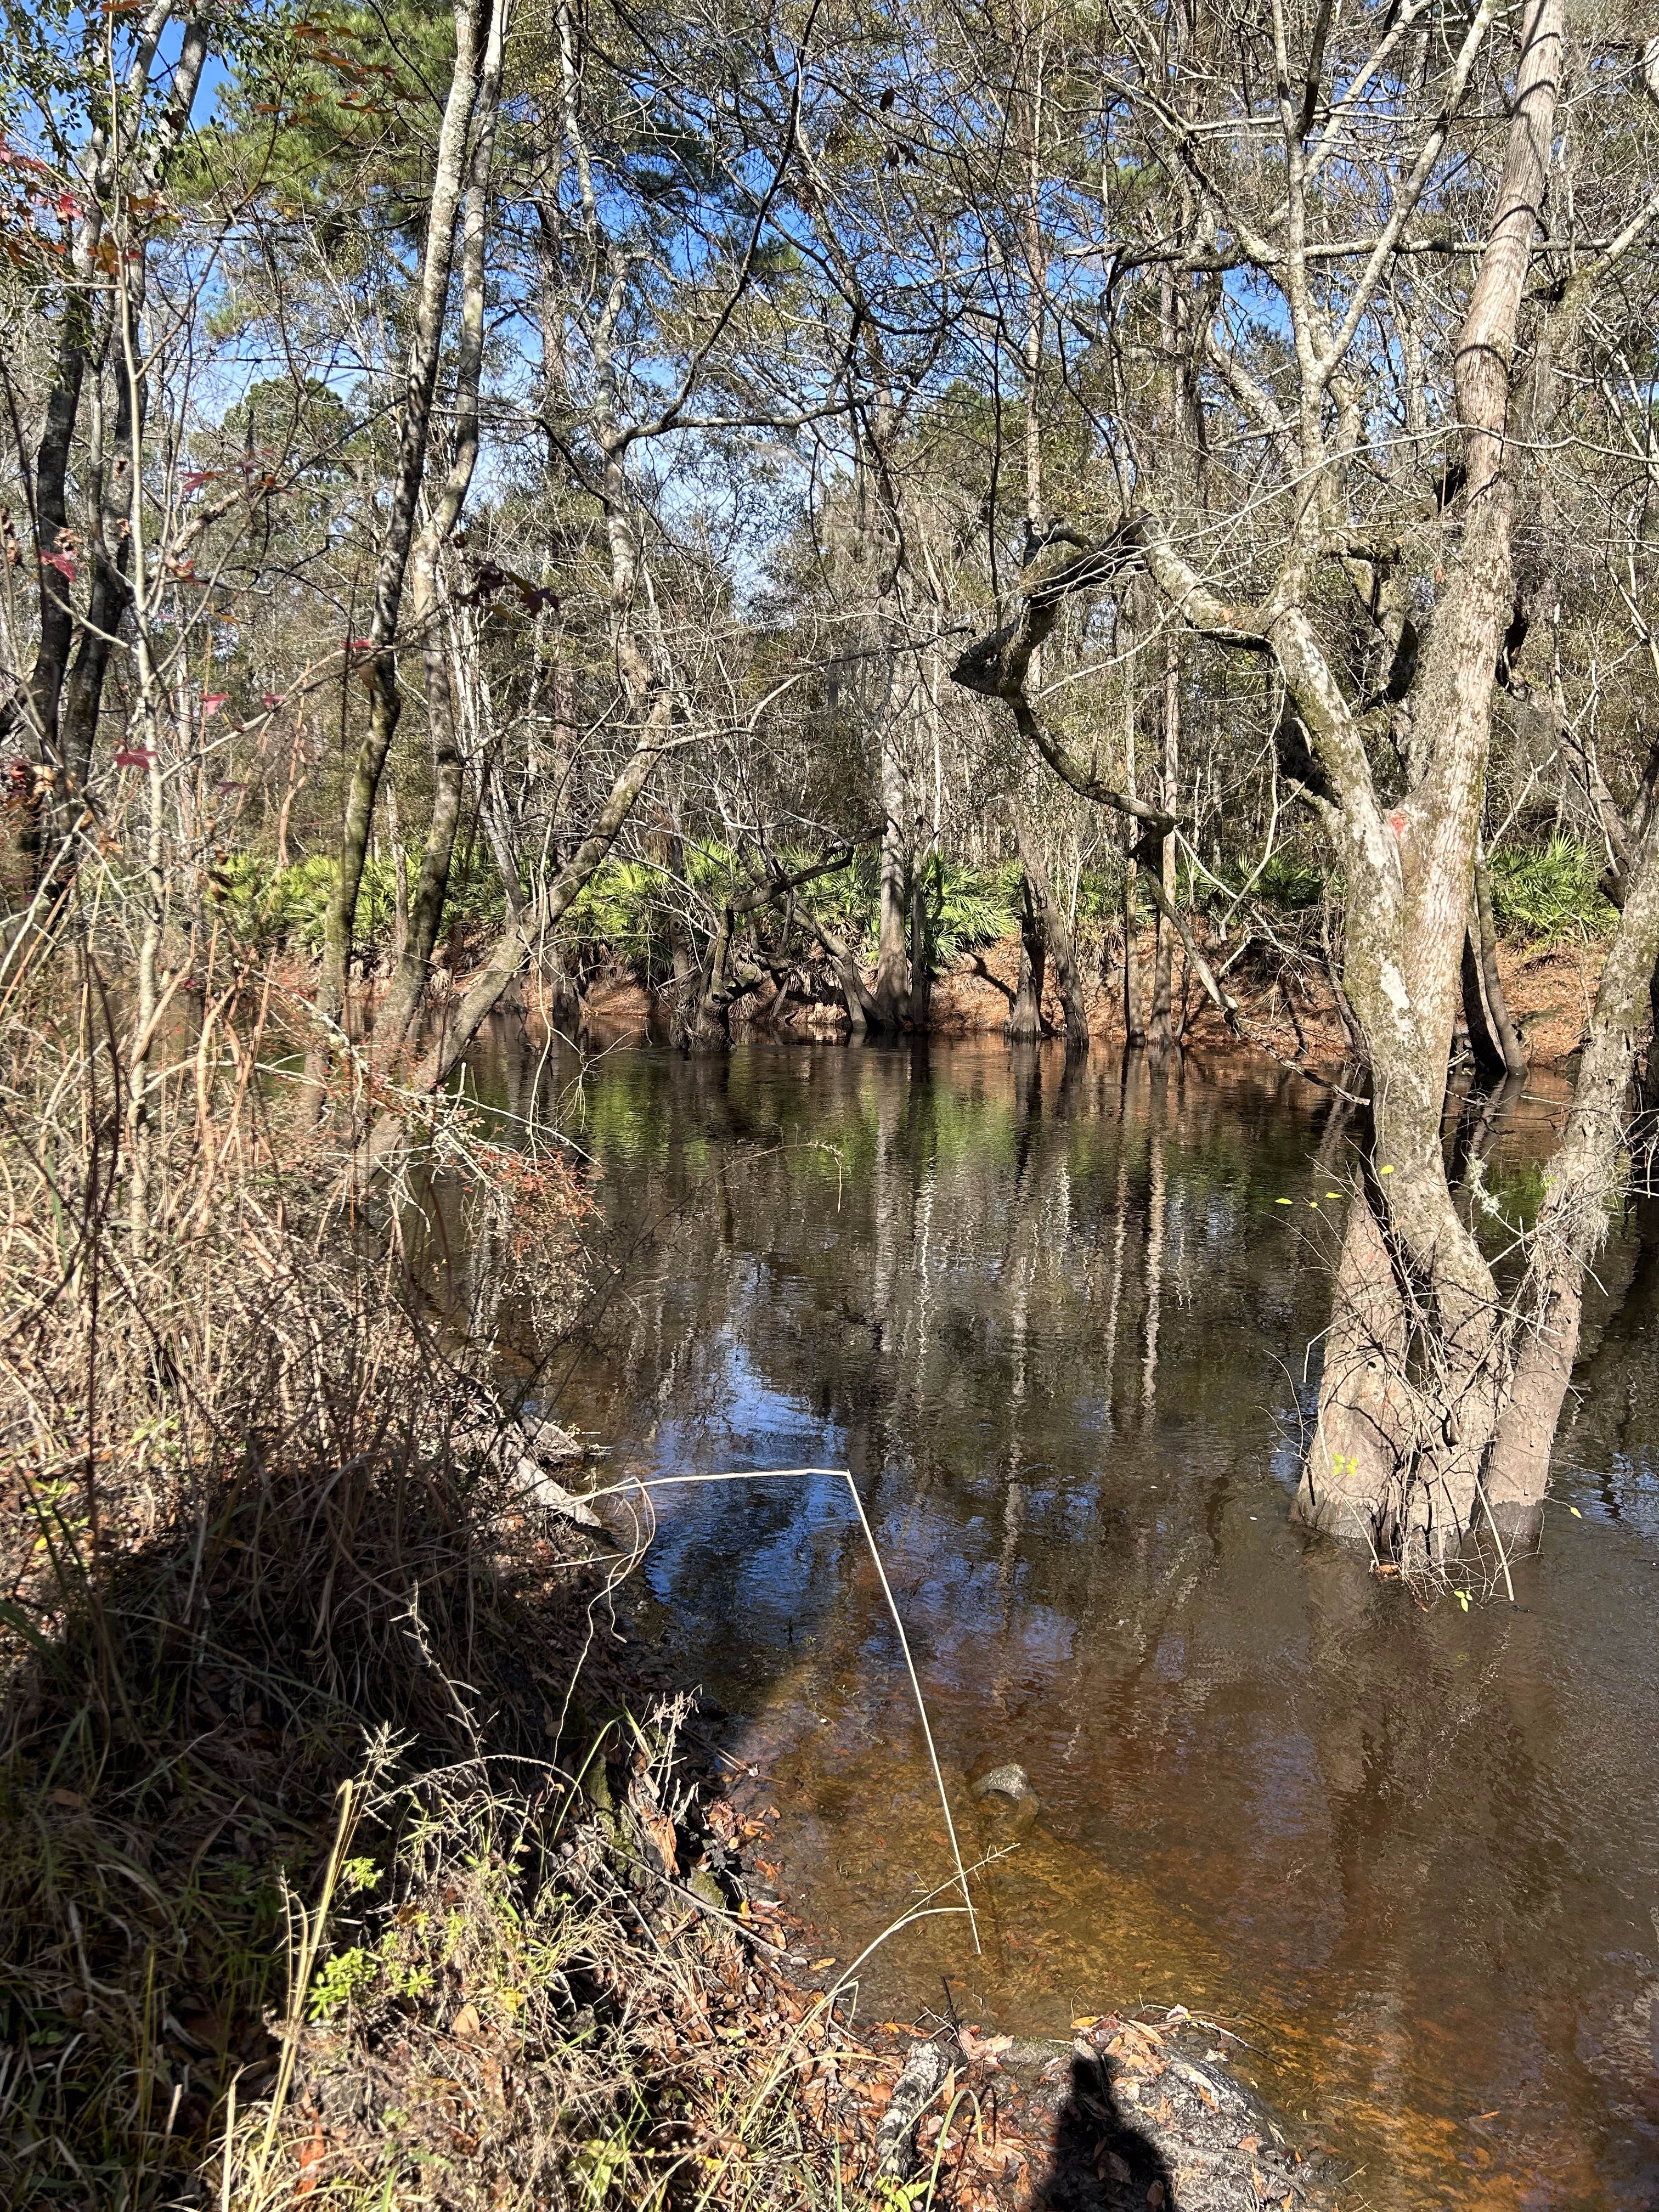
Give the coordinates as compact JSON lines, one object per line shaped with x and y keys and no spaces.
{"x":1025,"y":1024}
{"x":399,"y":1010}
{"x":474,"y":24}
{"x":1057,"y":932}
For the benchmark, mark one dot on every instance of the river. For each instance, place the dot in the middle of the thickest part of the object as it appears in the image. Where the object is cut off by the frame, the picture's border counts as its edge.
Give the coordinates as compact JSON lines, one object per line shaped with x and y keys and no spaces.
{"x":1056,"y":1321}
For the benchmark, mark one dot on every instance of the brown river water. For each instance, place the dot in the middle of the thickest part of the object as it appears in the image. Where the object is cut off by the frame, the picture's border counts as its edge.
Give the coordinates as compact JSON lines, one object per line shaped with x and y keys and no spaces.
{"x":1057,"y":1324}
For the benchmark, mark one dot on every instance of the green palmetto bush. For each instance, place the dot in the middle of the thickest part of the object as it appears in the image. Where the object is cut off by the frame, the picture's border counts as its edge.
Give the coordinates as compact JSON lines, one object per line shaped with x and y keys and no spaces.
{"x":288,"y":905}
{"x":967,"y":906}
{"x":1549,"y":892}
{"x":264,"y":904}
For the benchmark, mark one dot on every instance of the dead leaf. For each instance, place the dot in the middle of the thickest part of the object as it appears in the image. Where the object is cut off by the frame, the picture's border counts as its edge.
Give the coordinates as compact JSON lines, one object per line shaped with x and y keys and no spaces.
{"x":987,"y":2049}
{"x":1155,"y":2195}
{"x":656,"y":1828}
{"x":818,"y":1966}
{"x":71,"y":1798}
{"x":311,"y":2157}
{"x":723,"y":1820}
{"x":1250,"y":2142}
{"x":466,"y":2024}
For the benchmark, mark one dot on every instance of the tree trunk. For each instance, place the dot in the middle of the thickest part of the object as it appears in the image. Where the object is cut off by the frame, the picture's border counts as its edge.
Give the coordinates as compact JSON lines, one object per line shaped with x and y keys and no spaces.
{"x":704,"y":1023}
{"x":892,"y":979}
{"x":1579,"y":1182}
{"x":65,"y":730}
{"x":703,"y":1020}
{"x":1484,"y":1047}
{"x":1134,"y":1026}
{"x":1055,"y":932}
{"x":402,"y":1003}
{"x":921,"y":1002}
{"x":1025,"y":1021}
{"x":1492,"y":1037}
{"x":1418,"y":1366}
{"x":1160,"y":1033}
{"x":540,"y":919}
{"x":861,"y":1012}
{"x":478,"y":25}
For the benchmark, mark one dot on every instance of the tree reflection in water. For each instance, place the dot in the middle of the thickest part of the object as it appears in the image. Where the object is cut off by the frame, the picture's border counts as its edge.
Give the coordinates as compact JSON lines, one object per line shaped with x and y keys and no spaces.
{"x":1057,"y":1322}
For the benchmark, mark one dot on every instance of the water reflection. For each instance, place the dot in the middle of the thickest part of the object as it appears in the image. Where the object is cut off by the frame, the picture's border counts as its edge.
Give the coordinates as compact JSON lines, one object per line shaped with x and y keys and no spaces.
{"x":1055,"y":1317}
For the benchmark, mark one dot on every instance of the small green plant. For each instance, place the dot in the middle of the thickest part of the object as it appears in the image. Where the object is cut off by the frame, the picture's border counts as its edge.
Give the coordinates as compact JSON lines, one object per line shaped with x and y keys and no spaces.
{"x":345,"y":1979}
{"x":1546,"y":893}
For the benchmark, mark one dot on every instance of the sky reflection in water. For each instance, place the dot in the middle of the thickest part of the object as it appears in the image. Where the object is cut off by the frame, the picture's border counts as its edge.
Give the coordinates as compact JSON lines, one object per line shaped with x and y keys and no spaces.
{"x":1055,"y":1322}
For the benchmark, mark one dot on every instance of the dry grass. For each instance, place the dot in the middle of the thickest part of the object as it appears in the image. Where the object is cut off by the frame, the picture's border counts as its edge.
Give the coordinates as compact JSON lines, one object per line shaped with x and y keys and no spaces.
{"x":347,"y":1852}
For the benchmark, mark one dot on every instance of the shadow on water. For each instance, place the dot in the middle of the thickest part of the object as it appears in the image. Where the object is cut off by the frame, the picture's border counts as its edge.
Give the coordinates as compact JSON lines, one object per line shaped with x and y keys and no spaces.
{"x":1055,"y":1318}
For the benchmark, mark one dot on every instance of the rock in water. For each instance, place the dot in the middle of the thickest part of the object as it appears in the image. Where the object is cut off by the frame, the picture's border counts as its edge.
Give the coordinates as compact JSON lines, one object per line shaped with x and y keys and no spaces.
{"x":1009,"y":1780}
{"x":553,"y":1445}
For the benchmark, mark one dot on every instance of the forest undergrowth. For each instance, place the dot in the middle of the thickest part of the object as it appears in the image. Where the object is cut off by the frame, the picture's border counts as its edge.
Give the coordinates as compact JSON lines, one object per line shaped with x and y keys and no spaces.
{"x":349,"y":1851}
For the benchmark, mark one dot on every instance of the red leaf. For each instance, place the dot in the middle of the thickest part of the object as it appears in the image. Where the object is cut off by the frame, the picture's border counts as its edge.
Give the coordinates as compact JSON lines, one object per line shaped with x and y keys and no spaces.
{"x":132,"y":758}
{"x":211,"y":703}
{"x":311,"y":2157}
{"x":61,"y":563}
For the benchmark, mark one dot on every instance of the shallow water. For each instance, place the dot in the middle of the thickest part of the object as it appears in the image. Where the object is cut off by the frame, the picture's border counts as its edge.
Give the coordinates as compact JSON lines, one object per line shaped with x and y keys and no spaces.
{"x":1056,"y":1323}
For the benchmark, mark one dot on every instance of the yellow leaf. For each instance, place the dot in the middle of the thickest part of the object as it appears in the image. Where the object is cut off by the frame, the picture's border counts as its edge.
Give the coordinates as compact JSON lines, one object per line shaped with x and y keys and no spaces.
{"x":1385,"y":1171}
{"x":1576,"y":1514}
{"x":1281,"y":1201}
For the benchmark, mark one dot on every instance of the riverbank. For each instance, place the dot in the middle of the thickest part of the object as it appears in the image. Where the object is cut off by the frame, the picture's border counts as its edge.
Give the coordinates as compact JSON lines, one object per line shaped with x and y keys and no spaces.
{"x":352,"y":1850}
{"x":357,"y":1852}
{"x":1290,"y":1012}
{"x":262,"y":1550}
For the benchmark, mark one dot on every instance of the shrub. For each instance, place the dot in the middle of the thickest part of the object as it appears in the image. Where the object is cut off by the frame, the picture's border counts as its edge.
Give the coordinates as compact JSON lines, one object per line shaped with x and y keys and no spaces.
{"x":1548,"y":892}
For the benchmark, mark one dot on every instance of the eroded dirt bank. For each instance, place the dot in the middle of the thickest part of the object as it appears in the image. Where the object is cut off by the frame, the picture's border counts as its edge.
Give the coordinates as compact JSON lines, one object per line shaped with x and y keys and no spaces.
{"x":1550,"y":990}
